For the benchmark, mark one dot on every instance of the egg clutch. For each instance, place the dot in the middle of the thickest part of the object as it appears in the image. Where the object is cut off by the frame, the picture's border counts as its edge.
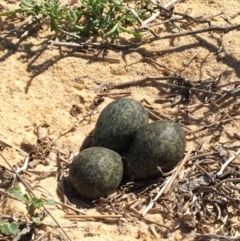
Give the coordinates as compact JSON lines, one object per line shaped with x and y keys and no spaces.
{"x":125,"y":144}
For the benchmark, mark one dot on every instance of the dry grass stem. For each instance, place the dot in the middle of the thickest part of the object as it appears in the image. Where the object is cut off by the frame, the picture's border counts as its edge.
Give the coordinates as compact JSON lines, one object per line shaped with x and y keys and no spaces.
{"x":216,"y":237}
{"x":94,"y":57}
{"x":75,"y":216}
{"x":168,"y":183}
{"x":178,"y":169}
{"x":220,"y":172}
{"x":5,"y":143}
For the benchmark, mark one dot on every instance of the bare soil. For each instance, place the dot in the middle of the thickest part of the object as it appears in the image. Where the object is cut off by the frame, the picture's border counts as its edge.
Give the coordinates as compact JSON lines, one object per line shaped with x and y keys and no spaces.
{"x":38,"y":87}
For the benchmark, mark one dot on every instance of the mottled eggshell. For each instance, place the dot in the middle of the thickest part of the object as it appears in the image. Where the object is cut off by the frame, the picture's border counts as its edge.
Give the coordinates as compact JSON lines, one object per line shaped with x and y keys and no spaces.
{"x":96,"y":172}
{"x":118,"y":124}
{"x":159,"y":144}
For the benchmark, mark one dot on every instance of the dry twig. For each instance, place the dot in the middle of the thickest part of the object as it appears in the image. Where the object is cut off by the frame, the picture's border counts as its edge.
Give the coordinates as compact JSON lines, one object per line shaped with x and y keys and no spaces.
{"x":75,"y":216}
{"x":220,"y":172}
{"x":168,"y":183}
{"x":216,"y":236}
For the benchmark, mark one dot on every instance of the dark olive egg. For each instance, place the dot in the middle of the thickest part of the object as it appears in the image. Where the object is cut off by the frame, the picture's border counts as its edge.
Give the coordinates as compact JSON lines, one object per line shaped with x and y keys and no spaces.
{"x":96,"y":172}
{"x":158,"y":144}
{"x":118,"y":124}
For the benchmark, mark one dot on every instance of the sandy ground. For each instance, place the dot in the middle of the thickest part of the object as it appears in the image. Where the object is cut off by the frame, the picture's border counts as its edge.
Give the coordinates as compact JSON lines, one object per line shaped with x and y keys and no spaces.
{"x":37,"y":87}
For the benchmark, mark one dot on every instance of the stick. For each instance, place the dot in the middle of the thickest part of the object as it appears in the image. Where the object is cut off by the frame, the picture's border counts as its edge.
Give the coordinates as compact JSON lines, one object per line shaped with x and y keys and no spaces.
{"x":66,"y":44}
{"x":160,"y":65}
{"x":189,"y":61}
{"x":155,"y":116}
{"x":204,"y":30}
{"x":174,"y":175}
{"x":168,"y":183}
{"x":152,"y":18}
{"x":89,"y":56}
{"x":92,"y":216}
{"x":47,"y":198}
{"x":190,"y":88}
{"x":216,"y":236}
{"x":114,"y":93}
{"x":25,"y":165}
{"x":5,"y":143}
{"x":210,"y":125}
{"x":82,"y":55}
{"x":150,"y":205}
{"x":227,"y":162}
{"x":141,"y":81}
{"x":155,"y":15}
{"x":150,"y":79}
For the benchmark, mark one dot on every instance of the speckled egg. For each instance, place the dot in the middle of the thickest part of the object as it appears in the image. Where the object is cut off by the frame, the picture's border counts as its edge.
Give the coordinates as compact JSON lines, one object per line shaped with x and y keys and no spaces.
{"x":96,"y":172}
{"x":158,"y":144}
{"x":118,"y":124}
